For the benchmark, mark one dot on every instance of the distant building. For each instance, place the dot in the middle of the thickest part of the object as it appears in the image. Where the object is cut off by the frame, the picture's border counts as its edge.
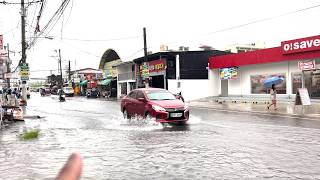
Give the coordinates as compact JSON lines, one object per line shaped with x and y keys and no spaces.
{"x":176,"y":71}
{"x":238,"y":48}
{"x":126,"y":77}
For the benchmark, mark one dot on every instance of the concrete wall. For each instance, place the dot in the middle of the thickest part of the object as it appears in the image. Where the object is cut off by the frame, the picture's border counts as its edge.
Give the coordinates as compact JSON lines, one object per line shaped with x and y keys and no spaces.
{"x":214,"y":83}
{"x":191,"y":89}
{"x":242,"y":85}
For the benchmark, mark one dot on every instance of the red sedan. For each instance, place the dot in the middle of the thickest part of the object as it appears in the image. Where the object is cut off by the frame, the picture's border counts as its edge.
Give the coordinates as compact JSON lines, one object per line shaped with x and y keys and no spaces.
{"x":155,"y":103}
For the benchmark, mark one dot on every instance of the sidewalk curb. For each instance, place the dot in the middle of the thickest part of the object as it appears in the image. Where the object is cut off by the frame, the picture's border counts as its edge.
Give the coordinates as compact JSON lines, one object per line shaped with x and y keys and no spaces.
{"x":258,"y":112}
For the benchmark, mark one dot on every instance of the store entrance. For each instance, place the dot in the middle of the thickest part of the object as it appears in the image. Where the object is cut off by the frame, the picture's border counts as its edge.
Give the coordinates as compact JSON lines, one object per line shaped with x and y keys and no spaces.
{"x":312,"y":83}
{"x":157,"y":81}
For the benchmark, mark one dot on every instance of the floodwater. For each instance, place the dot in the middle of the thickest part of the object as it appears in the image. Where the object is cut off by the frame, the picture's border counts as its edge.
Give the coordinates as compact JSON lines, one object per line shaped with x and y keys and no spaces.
{"x":214,"y":145}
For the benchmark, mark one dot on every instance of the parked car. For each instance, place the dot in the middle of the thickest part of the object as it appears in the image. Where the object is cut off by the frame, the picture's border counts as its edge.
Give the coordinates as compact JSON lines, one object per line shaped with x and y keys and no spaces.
{"x":68,"y":91}
{"x":92,"y":93}
{"x":154,"y":103}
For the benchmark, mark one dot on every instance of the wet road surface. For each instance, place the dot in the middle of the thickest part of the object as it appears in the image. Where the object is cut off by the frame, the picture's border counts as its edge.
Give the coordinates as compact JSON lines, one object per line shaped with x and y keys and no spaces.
{"x":214,"y":145}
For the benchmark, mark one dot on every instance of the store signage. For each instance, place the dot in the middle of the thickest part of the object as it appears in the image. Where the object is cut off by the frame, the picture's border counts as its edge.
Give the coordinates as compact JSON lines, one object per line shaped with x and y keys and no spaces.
{"x":307,"y":65}
{"x":153,"y":68}
{"x":24,"y":72}
{"x":157,"y":66}
{"x":301,"y":45}
{"x":228,"y":73}
{"x":302,"y":97}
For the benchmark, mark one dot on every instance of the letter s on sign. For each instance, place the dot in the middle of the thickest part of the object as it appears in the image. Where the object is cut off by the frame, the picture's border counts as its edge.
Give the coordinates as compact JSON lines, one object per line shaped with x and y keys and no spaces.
{"x":296,"y":45}
{"x":286,"y":47}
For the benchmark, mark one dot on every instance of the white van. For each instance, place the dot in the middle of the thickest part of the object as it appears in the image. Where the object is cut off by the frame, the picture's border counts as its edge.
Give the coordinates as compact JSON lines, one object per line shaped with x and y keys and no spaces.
{"x":68,"y":91}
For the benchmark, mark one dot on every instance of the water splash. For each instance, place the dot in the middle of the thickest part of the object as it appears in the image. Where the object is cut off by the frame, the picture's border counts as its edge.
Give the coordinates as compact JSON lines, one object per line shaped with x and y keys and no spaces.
{"x":136,"y":123}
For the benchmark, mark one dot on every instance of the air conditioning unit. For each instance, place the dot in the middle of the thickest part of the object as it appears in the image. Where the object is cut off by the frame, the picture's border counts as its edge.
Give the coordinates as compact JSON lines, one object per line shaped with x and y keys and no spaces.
{"x":183,"y":48}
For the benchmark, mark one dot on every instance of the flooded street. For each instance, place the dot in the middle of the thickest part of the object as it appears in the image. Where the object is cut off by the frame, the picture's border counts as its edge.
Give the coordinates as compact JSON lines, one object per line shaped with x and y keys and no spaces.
{"x":214,"y":144}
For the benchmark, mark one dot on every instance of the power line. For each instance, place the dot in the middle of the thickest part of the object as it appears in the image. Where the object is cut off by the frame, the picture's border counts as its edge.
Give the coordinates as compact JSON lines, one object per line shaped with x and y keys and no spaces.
{"x":96,"y":40}
{"x":254,"y":22}
{"x":18,"y":3}
{"x":264,"y":19}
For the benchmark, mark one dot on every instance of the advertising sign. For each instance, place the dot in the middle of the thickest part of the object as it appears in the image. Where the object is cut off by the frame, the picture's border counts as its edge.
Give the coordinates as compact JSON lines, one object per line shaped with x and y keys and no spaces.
{"x":157,"y":67}
{"x":24,"y":72}
{"x":302,"y":97}
{"x":228,"y":73}
{"x":153,"y":68}
{"x":307,"y":65}
{"x":301,"y":45}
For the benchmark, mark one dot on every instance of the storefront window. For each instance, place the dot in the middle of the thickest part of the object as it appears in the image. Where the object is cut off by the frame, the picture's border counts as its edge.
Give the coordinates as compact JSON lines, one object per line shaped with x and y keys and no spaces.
{"x":315,"y":86}
{"x":296,"y":82}
{"x":258,"y":80}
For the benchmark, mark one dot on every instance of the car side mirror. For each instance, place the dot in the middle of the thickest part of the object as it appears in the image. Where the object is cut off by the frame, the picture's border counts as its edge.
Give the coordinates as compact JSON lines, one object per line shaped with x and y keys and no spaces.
{"x":142,"y":100}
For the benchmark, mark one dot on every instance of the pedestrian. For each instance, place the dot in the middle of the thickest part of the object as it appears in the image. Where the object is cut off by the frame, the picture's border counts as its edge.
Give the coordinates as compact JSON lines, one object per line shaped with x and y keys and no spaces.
{"x":273,"y":94}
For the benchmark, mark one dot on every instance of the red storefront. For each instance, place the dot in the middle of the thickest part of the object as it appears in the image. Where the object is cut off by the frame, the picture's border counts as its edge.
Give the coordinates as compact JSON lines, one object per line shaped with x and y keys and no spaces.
{"x":298,"y":61}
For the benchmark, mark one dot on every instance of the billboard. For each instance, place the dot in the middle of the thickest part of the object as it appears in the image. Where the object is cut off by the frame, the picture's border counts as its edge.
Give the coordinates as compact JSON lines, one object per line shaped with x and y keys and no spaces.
{"x":228,"y":73}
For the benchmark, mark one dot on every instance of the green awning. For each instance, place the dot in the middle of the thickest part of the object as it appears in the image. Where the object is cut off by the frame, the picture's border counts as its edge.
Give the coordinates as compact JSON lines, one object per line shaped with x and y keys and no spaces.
{"x":85,"y":82}
{"x":105,"y":82}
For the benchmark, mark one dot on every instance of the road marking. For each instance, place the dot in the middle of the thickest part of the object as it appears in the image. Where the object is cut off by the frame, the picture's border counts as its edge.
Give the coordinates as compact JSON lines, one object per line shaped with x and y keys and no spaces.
{"x":258,"y":113}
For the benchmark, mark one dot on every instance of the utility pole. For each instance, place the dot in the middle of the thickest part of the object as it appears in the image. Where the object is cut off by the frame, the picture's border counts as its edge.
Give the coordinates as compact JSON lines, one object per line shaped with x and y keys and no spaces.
{"x":145,"y":44}
{"x":8,"y":66}
{"x":61,"y":79}
{"x":23,"y":48}
{"x":145,"y":55}
{"x":69,"y":72}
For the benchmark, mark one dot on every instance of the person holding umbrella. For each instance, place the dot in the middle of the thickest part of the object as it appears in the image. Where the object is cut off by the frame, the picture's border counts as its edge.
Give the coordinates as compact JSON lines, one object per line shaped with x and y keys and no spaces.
{"x":273,"y":94}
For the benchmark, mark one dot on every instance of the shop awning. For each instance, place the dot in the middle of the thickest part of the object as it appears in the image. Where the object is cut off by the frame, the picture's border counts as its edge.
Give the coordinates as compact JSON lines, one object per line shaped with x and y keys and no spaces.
{"x":105,"y":82}
{"x":85,"y":82}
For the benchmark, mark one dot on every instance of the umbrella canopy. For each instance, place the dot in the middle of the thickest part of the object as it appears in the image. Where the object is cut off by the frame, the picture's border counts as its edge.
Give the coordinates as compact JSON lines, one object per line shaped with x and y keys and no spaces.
{"x":105,"y":82}
{"x":85,"y":82}
{"x":273,"y":80}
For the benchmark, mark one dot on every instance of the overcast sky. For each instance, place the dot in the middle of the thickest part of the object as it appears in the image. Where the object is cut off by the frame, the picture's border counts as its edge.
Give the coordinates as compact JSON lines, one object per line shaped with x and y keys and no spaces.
{"x":170,"y":22}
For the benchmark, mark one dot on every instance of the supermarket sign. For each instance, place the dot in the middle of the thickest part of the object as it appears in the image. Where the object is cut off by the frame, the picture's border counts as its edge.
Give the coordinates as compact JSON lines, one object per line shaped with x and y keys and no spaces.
{"x":301,"y":45}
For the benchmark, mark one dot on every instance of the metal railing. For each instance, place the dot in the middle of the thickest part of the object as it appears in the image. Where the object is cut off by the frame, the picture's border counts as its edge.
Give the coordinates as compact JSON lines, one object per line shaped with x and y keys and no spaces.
{"x":126,"y":76}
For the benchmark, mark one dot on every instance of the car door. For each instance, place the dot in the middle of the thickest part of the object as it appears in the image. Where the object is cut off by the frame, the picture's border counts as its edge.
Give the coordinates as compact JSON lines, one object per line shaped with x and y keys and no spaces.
{"x":140,"y":105}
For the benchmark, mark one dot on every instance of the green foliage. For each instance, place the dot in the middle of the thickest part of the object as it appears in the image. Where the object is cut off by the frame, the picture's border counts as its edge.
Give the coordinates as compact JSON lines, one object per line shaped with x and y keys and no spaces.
{"x":30,"y":134}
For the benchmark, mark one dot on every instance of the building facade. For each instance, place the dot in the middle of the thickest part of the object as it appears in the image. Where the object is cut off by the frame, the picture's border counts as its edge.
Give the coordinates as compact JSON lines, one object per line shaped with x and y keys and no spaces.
{"x":296,"y":61}
{"x":177,"y":71}
{"x":126,"y":78}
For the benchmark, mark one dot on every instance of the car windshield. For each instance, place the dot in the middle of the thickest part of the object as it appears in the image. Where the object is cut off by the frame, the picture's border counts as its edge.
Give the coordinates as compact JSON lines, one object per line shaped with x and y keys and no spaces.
{"x":160,"y":95}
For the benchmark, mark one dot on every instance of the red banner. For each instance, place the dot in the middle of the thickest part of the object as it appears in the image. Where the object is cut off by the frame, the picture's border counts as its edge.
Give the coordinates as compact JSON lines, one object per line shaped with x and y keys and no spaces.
{"x":301,"y":45}
{"x":157,"y":66}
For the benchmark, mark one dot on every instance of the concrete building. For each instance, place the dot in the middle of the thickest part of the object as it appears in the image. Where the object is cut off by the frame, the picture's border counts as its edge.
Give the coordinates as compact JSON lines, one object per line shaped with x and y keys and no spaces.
{"x":185,"y":71}
{"x":238,"y":48}
{"x":126,"y":80}
{"x":243,"y":74}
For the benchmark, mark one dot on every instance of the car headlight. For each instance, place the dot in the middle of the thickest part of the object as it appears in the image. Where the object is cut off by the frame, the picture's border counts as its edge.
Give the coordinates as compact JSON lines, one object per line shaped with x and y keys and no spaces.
{"x":158,"y":108}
